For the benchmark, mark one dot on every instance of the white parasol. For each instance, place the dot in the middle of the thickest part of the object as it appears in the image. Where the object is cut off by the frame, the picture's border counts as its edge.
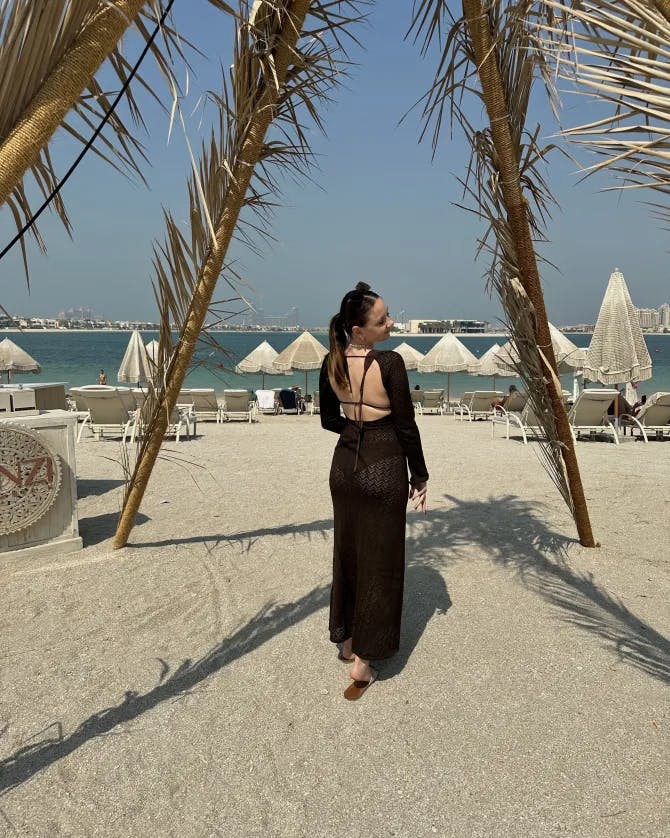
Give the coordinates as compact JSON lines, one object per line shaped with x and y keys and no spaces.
{"x":259,"y":360}
{"x":617,"y":353}
{"x":491,"y":365}
{"x":135,"y":367}
{"x":14,"y":359}
{"x":304,"y":353}
{"x":448,"y":355}
{"x":410,"y":355}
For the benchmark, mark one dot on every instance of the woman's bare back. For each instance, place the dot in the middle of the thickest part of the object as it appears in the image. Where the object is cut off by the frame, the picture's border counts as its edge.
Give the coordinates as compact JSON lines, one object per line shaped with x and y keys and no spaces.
{"x":376,"y":402}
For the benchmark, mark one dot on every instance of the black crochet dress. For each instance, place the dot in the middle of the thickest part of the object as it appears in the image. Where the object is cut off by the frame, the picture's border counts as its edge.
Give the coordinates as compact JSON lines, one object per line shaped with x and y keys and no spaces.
{"x":369,"y":487}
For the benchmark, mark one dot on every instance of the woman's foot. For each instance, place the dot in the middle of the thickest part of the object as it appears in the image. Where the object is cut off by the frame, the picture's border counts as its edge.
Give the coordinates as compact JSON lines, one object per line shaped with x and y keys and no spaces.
{"x":345,"y":651}
{"x":361,"y":670}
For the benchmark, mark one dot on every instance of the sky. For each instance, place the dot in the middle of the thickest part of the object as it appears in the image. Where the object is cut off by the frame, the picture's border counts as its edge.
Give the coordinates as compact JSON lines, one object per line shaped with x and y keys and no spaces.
{"x":381,"y":208}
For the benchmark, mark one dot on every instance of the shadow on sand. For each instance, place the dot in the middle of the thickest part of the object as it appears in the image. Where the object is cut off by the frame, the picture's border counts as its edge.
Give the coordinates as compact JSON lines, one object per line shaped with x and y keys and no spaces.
{"x":508,"y":530}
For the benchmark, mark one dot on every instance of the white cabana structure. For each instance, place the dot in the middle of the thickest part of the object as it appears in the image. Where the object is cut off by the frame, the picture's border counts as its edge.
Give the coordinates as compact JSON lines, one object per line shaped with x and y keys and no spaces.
{"x":410,"y":355}
{"x":448,"y":355}
{"x":490,"y":365}
{"x":617,"y":353}
{"x":260,"y":361}
{"x":14,"y":359}
{"x":135,"y":367}
{"x":304,"y":353}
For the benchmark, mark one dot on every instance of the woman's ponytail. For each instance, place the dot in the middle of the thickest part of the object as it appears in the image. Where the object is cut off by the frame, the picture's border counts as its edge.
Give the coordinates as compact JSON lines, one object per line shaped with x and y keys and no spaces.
{"x":338,"y":340}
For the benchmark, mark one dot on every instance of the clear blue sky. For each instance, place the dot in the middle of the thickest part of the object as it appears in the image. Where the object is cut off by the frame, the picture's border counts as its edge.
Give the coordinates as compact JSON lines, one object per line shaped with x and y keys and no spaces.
{"x":381,"y":211}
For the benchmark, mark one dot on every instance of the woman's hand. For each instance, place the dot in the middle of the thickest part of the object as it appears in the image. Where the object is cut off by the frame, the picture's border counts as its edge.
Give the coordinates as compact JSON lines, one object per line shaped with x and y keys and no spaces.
{"x":417,"y":495}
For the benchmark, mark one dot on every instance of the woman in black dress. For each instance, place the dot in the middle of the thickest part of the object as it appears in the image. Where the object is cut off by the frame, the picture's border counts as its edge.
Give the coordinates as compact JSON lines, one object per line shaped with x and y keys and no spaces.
{"x":379,"y":439}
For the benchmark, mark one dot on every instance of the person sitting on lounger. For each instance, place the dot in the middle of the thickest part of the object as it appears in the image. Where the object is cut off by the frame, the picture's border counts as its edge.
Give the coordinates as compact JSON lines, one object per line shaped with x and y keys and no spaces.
{"x":513,"y":391}
{"x":622,"y":405}
{"x":637,"y":407}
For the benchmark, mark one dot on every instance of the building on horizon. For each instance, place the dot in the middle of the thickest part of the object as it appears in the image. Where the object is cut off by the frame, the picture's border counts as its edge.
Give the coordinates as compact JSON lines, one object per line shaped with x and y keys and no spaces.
{"x":664,"y":314}
{"x":425,"y":326}
{"x":649,"y":317}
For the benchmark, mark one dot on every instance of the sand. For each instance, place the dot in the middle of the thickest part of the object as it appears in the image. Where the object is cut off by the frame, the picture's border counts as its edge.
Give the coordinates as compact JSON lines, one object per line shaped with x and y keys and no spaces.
{"x":185,"y":685}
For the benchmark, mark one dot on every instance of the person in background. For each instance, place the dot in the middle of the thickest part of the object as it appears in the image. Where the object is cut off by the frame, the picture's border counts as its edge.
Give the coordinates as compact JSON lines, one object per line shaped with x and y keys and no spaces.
{"x":102,"y":378}
{"x":622,"y":406}
{"x":501,"y":402}
{"x":637,"y":407}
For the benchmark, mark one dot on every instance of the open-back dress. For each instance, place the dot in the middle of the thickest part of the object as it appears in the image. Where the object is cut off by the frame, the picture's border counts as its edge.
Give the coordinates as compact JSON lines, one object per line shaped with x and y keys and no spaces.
{"x":369,"y":487}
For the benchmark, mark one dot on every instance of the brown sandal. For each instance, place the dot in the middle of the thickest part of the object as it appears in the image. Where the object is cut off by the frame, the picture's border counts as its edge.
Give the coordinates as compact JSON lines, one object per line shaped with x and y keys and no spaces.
{"x":355,"y":690}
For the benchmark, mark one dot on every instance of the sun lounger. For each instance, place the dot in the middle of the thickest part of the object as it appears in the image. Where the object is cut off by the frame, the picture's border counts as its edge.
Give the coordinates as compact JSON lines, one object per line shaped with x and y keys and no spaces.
{"x":5,"y":403}
{"x":288,"y":402}
{"x":112,"y":411}
{"x":266,"y":402}
{"x":433,"y":402}
{"x":464,"y":403}
{"x":315,"y":405}
{"x":237,"y":405}
{"x":203,"y":403}
{"x":652,"y":418}
{"x":417,"y":399}
{"x":183,"y":418}
{"x":588,"y":415}
{"x":526,"y":422}
{"x":480,"y":404}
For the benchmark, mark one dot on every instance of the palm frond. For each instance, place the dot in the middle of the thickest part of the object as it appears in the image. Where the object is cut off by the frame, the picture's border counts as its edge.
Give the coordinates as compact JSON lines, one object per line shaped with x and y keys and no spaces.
{"x":288,"y":57}
{"x":52,"y":53}
{"x":520,"y":64}
{"x":618,"y":53}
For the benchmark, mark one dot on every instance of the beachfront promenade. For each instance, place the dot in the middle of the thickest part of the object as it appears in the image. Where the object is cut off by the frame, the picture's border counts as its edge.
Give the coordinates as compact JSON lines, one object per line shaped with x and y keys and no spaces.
{"x":185,"y":685}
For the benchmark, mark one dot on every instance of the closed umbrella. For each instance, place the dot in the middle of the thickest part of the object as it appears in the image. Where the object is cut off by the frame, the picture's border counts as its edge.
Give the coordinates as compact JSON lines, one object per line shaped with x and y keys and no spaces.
{"x":135,"y":367}
{"x":410,"y":355}
{"x":448,"y":355}
{"x":491,"y":365}
{"x":304,"y":353}
{"x":152,"y":351}
{"x":617,"y":352}
{"x":14,"y":359}
{"x":259,"y":360}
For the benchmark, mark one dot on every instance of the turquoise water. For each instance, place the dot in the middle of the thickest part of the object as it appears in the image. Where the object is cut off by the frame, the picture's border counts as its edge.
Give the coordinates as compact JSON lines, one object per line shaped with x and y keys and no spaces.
{"x":76,"y":357}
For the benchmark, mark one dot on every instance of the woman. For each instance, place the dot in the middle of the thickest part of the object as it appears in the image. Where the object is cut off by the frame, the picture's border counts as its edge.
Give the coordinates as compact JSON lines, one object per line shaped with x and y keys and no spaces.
{"x":368,"y":482}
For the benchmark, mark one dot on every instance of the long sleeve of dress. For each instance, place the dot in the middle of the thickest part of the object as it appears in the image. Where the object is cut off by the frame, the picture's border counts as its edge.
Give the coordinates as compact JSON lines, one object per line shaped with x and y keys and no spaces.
{"x":394,"y":377}
{"x":329,"y":404}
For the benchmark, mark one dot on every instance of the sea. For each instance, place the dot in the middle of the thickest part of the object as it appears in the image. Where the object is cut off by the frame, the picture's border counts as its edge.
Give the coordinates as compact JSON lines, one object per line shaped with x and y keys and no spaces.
{"x":76,"y":358}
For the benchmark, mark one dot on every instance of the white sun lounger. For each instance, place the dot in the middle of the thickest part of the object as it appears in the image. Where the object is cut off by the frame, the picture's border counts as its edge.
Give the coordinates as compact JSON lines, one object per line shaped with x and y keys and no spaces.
{"x":588,"y":415}
{"x":203,"y":403}
{"x":479,"y":406}
{"x":653,"y":417}
{"x":112,"y":411}
{"x":433,"y":402}
{"x":237,"y":405}
{"x":265,"y":401}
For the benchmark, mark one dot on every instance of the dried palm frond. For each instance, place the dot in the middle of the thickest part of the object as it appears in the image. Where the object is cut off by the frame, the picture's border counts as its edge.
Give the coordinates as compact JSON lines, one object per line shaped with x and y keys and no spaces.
{"x":490,"y":55}
{"x":619,"y":54}
{"x":52,"y":53}
{"x":289,"y":55}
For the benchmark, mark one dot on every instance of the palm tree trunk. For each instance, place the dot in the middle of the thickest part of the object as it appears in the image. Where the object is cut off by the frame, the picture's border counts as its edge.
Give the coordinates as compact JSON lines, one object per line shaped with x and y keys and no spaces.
{"x":495,"y":99}
{"x":224,"y":228}
{"x":61,"y":90}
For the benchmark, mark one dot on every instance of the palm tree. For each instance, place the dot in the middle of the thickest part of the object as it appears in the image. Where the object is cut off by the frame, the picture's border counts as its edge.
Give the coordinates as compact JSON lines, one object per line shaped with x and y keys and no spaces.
{"x":491,"y":53}
{"x":285,"y":64}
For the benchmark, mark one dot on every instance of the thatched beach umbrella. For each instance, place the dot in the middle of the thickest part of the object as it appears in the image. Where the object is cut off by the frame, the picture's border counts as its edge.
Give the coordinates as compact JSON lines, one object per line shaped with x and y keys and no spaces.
{"x":490,"y":365}
{"x":569,"y":357}
{"x":135,"y":367}
{"x":617,"y":352}
{"x":410,"y":355}
{"x":14,"y":359}
{"x":448,"y":355}
{"x":304,"y":353}
{"x":259,"y":360}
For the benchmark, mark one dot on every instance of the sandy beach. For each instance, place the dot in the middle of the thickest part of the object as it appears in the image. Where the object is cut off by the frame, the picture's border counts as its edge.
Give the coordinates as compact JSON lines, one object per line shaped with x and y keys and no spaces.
{"x":185,"y":685}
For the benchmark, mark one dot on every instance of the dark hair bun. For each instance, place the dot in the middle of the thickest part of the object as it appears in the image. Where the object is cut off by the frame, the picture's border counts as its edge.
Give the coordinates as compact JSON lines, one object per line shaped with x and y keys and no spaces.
{"x":363,"y":287}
